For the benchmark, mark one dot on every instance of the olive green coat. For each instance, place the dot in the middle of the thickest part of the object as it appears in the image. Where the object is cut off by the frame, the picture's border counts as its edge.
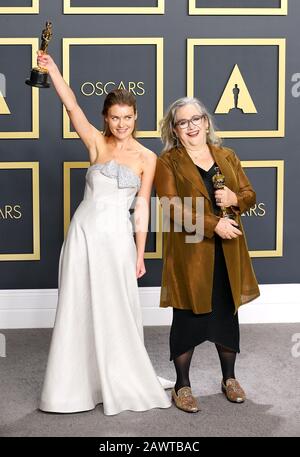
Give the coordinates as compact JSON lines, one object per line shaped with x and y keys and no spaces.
{"x":187,"y":278}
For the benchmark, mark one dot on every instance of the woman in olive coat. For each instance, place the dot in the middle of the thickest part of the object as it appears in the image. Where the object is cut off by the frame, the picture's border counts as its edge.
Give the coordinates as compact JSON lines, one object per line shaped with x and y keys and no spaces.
{"x":207,"y":280}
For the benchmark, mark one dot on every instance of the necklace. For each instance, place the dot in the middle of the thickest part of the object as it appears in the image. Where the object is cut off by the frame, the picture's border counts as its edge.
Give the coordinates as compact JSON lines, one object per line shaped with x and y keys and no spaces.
{"x":196,"y":156}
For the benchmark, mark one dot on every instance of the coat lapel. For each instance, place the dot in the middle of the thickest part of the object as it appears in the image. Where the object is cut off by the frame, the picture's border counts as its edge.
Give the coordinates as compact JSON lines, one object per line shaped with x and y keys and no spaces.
{"x":186,"y":167}
{"x":220,"y":155}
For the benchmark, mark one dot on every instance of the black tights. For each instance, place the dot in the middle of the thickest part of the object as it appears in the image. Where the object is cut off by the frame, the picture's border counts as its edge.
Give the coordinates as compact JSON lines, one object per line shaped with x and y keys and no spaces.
{"x":183,"y":361}
{"x":182,"y":367}
{"x":227,"y":360}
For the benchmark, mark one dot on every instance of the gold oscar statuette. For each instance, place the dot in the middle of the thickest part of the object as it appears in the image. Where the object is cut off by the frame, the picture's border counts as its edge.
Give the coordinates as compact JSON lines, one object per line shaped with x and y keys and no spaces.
{"x":39,"y":75}
{"x":219,"y":183}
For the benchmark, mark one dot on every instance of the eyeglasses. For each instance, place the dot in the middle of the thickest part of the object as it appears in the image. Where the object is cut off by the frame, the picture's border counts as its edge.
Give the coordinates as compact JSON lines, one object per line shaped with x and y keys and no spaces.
{"x":195,"y":120}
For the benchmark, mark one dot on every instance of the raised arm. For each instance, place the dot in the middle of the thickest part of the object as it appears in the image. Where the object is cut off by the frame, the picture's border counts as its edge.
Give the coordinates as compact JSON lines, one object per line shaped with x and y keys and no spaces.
{"x":86,"y":131}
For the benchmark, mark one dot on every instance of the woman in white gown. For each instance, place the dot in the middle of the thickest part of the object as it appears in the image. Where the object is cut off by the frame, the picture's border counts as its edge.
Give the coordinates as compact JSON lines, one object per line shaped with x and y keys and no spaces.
{"x":97,"y":353}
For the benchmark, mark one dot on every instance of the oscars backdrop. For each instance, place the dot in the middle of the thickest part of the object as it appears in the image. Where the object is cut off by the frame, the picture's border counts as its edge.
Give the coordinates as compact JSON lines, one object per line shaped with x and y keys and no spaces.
{"x":240,"y":57}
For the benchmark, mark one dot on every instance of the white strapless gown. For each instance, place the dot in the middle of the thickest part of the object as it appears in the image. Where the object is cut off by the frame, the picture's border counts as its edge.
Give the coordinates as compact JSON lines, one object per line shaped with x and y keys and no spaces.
{"x":97,"y":352}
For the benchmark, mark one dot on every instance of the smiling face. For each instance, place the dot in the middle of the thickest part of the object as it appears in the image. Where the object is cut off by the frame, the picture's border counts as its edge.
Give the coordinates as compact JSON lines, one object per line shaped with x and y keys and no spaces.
{"x":121,"y":120}
{"x":195,"y":133}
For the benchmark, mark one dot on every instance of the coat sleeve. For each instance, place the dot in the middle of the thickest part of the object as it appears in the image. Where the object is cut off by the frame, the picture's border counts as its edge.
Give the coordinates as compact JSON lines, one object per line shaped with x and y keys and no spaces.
{"x":246,"y":196}
{"x":165,"y":184}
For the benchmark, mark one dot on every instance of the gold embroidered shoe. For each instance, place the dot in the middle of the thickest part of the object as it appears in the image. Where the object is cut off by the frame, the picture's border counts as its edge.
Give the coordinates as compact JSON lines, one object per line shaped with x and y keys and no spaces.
{"x":233,"y":391}
{"x":185,"y":400}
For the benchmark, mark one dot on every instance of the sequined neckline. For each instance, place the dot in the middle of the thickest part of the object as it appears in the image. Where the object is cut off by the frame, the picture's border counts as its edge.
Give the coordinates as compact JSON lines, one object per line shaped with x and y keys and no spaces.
{"x":125,"y":176}
{"x":119,"y":164}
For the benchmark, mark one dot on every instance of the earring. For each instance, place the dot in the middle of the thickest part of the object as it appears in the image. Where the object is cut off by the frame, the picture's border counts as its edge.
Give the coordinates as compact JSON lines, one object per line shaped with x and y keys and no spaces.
{"x":207,"y":130}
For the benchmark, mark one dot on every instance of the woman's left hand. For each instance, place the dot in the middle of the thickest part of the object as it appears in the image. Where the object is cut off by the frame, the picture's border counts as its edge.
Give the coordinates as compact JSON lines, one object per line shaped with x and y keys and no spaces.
{"x":225,"y":197}
{"x":140,"y":268}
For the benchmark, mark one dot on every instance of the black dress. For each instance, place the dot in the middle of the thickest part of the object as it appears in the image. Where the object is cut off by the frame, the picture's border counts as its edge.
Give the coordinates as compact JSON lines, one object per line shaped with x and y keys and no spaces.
{"x":221,"y":325}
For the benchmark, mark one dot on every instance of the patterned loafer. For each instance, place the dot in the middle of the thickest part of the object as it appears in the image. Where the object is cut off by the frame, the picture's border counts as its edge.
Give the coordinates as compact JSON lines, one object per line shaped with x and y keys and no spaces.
{"x":185,"y":400}
{"x":233,"y":391}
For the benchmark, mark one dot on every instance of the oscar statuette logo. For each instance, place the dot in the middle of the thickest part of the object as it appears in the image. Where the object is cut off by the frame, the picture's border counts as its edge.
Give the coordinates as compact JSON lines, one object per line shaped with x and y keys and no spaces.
{"x":236,"y":96}
{"x":39,"y":75}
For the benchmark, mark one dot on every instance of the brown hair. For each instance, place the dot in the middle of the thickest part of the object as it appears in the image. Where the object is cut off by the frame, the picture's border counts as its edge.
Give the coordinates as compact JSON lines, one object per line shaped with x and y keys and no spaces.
{"x":118,"y":97}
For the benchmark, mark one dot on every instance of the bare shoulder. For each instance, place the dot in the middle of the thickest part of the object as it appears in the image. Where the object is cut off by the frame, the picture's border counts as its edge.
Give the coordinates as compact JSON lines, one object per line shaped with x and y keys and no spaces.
{"x":148,"y":158}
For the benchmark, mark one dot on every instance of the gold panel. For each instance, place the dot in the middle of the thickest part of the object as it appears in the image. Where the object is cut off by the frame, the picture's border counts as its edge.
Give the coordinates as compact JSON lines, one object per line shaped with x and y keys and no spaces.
{"x":159,"y":9}
{"x":68,"y":166}
{"x":279,"y":165}
{"x":281,"y":43}
{"x":281,"y":11}
{"x":158,"y":42}
{"x":34,"y":166}
{"x":34,"y":133}
{"x":33,"y":9}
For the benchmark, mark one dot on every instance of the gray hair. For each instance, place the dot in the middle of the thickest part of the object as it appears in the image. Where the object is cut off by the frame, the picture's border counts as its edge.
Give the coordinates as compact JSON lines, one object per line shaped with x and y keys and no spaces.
{"x":167,"y":124}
